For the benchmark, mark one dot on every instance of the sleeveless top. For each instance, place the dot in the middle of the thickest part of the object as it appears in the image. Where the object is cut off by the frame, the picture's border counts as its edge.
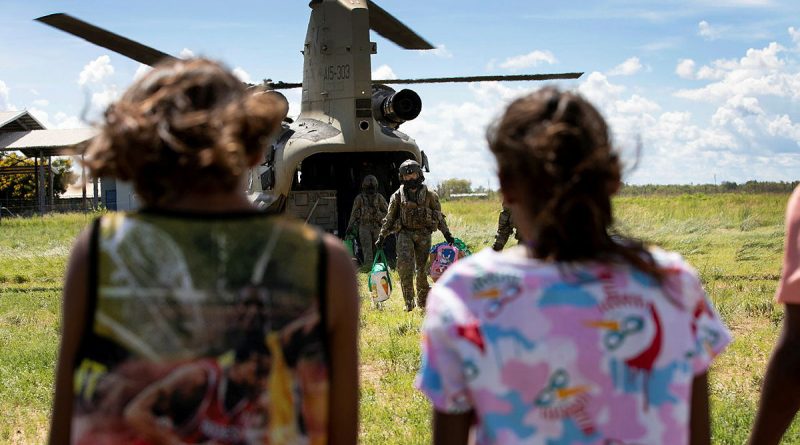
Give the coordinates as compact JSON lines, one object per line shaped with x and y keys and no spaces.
{"x":203,"y":328}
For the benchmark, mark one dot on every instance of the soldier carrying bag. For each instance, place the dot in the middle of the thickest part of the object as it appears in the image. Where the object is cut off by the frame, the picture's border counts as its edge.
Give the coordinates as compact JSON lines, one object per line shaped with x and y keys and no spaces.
{"x":380,"y":283}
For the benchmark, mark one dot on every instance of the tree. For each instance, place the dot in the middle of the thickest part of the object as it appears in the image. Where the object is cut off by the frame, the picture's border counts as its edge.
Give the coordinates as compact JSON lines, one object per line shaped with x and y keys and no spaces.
{"x":63,"y":175}
{"x":19,"y":188}
{"x":451,"y":186}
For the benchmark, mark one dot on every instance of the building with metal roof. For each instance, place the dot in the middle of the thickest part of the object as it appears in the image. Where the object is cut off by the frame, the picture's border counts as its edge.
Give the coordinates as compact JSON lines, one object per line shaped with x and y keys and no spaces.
{"x":18,"y":121}
{"x":40,"y":143}
{"x":21,"y":132}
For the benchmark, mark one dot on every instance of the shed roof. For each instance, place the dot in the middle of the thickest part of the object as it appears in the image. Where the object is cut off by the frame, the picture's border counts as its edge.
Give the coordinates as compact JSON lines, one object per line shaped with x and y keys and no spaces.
{"x":48,"y":142}
{"x":18,"y":121}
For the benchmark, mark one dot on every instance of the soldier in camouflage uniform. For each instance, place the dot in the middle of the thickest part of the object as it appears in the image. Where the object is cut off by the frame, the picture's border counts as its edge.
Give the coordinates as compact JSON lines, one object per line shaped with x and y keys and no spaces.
{"x":369,"y":209}
{"x":505,"y":225}
{"x":414,"y":213}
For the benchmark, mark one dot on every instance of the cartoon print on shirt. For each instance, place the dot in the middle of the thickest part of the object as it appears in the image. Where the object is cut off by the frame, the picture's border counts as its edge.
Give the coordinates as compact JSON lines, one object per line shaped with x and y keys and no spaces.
{"x":575,"y":355}
{"x":498,"y":289}
{"x":703,"y":329}
{"x":559,"y":400}
{"x":633,"y":332}
{"x":472,"y":333}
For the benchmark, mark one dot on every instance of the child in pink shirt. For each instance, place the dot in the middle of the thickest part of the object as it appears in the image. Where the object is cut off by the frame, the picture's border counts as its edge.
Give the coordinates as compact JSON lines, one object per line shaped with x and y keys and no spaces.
{"x":582,"y":337}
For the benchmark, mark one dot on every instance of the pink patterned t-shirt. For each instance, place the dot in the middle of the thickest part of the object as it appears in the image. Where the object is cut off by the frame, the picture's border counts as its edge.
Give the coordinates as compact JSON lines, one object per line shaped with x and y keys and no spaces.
{"x":549,"y":353}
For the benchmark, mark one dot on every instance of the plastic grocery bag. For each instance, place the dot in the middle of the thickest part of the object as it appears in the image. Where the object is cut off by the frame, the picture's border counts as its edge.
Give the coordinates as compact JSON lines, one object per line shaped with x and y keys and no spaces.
{"x":380,"y":283}
{"x":442,"y":255}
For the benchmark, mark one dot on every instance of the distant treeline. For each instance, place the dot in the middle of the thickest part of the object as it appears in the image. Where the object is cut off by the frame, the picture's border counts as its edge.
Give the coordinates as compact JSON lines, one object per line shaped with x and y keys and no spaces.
{"x":724,"y":187}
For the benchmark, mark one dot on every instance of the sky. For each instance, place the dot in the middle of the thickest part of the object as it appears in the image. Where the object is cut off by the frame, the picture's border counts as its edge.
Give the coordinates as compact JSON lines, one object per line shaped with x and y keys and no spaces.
{"x":695,"y":91}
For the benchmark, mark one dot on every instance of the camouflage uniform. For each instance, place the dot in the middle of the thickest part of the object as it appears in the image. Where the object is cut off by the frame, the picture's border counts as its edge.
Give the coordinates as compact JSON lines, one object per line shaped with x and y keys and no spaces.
{"x":368,"y":211}
{"x":414,"y":216}
{"x":505,"y":225}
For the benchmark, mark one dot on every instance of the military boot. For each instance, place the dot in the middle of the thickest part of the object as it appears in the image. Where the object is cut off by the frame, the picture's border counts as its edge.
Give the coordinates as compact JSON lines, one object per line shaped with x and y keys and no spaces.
{"x":409,"y":305}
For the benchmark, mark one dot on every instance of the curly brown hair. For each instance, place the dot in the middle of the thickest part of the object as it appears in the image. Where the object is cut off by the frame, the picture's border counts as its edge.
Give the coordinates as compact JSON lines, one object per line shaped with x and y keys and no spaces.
{"x":186,"y":126}
{"x":556,"y":146}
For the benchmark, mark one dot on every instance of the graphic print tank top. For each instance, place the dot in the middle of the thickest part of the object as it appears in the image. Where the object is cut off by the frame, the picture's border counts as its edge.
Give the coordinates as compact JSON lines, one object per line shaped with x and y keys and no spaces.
{"x":203,"y":329}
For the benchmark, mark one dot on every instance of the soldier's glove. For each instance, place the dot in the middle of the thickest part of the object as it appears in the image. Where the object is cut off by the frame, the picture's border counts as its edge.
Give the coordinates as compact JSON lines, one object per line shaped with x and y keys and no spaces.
{"x":449,"y":238}
{"x":379,"y":243}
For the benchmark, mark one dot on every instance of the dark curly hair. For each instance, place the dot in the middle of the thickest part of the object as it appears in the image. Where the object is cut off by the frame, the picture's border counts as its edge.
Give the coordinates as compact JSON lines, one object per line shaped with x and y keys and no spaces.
{"x":187,"y":125}
{"x":556,"y":146}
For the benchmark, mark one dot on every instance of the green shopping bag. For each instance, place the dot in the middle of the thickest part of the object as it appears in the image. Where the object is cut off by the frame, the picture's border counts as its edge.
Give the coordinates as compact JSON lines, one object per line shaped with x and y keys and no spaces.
{"x":349,"y":244}
{"x":380,"y":283}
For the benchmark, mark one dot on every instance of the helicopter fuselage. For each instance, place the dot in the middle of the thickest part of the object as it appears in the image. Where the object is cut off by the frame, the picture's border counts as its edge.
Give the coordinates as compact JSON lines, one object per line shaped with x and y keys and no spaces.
{"x":317,"y":163}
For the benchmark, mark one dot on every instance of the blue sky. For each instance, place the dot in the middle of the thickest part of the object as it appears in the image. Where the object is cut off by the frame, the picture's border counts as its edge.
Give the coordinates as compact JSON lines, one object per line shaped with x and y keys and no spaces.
{"x":710,"y":88}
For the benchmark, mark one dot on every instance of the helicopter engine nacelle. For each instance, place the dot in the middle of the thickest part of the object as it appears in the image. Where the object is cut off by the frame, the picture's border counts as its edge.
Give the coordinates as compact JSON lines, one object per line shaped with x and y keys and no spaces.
{"x":392,"y":107}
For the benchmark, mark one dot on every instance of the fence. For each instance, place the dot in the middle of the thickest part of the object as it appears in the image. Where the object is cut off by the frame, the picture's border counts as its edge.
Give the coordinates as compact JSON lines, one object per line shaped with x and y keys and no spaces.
{"x":24,"y":207}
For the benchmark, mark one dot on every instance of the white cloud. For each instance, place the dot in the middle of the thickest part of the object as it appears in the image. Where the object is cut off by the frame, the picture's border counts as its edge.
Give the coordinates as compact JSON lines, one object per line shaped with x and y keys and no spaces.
{"x":141,"y":70}
{"x":243,"y":75}
{"x":41,"y":102}
{"x":440,"y":51}
{"x":529,"y":60}
{"x":4,"y":104}
{"x":599,"y":90}
{"x":63,"y":120}
{"x":384,"y":72}
{"x":60,"y":120}
{"x":103,"y":98}
{"x":636,"y":104}
{"x":41,"y":116}
{"x":735,"y":114}
{"x":759,"y":73}
{"x":783,"y":126}
{"x":685,"y":69}
{"x":706,"y":31}
{"x":186,"y":53}
{"x":627,"y":68}
{"x":795,"y":35}
{"x":679,"y":146}
{"x":96,"y":70}
{"x":453,"y":134}
{"x":745,"y":129}
{"x":710,"y":73}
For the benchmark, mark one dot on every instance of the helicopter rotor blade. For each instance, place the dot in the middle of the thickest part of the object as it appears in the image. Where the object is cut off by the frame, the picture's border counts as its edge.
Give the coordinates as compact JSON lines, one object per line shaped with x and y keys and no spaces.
{"x":507,"y":78}
{"x":386,"y":25}
{"x":518,"y":77}
{"x":270,"y":85}
{"x":106,"y":39}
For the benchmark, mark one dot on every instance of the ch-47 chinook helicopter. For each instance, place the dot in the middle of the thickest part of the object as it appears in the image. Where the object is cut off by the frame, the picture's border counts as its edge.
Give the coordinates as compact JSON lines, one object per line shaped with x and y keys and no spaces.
{"x":348,"y":123}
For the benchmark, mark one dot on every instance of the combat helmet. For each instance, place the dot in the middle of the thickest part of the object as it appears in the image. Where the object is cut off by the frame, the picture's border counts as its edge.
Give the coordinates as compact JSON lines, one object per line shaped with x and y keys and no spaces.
{"x":369,"y":184}
{"x":408,"y":167}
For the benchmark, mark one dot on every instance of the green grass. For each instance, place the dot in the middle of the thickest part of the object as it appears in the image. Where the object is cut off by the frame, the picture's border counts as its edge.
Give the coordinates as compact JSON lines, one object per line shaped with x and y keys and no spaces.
{"x":33,"y":254}
{"x":734,"y":240}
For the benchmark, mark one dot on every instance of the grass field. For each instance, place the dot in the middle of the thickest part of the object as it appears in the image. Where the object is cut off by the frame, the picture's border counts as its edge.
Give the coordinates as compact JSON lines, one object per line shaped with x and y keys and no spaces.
{"x":734,"y":240}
